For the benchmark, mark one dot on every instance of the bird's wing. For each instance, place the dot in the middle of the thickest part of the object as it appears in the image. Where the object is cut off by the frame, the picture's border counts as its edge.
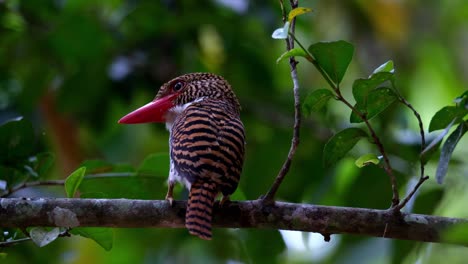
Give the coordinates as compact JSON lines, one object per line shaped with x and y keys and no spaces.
{"x":207,"y":143}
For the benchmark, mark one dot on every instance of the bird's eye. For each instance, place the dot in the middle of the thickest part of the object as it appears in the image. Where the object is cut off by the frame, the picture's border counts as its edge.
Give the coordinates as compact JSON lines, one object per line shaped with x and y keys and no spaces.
{"x":178,"y":86}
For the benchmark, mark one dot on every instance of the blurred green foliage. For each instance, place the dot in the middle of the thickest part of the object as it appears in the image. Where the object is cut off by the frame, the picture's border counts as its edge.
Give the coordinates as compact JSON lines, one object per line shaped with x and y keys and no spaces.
{"x":73,"y":68}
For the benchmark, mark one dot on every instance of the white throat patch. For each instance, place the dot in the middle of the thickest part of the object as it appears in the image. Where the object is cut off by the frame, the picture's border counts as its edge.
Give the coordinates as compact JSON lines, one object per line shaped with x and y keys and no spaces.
{"x":175,"y":111}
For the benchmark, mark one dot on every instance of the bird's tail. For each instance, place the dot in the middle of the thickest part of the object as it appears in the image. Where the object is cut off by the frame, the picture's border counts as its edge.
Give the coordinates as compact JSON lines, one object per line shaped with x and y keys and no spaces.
{"x":200,"y":208}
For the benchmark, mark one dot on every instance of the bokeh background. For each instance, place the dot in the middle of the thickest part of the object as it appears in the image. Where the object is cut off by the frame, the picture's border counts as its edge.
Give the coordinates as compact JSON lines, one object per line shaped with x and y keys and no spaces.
{"x":74,"y":67}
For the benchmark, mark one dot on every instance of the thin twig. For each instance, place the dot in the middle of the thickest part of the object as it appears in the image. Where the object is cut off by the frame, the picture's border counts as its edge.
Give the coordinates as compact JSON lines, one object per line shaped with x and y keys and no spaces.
{"x":32,"y":184}
{"x":65,"y":233}
{"x":378,"y":143}
{"x":14,"y":242}
{"x":62,"y":182}
{"x":269,"y":197}
{"x":422,"y":177}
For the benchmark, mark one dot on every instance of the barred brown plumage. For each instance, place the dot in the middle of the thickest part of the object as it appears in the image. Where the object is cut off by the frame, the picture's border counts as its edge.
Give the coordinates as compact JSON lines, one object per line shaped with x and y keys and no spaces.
{"x":206,"y":141}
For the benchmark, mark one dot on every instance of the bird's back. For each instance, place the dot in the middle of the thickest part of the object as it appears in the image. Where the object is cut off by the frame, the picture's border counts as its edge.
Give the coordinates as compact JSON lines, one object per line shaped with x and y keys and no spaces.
{"x":207,"y":142}
{"x":207,"y":149}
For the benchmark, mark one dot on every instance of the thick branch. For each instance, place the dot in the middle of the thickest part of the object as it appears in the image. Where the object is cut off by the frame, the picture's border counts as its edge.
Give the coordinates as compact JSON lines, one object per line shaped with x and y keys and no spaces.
{"x":16,"y":212}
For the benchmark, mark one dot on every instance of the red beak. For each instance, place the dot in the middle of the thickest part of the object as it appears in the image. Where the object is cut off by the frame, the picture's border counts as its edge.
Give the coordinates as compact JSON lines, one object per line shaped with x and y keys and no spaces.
{"x":154,"y":111}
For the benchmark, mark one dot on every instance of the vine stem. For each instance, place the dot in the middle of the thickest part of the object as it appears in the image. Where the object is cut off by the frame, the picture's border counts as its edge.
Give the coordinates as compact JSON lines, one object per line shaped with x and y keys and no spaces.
{"x":270,"y":196}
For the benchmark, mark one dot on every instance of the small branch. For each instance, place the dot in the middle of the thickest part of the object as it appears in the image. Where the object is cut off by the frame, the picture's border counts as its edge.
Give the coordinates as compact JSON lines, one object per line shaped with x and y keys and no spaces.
{"x":62,"y":182}
{"x":378,"y":143}
{"x":32,"y":184}
{"x":326,"y":220}
{"x":422,"y":177}
{"x":14,"y":242}
{"x":25,"y":239}
{"x":270,"y":196}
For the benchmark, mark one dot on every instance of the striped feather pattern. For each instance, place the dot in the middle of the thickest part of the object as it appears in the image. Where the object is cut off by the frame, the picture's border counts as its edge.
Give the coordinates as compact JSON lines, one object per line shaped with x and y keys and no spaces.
{"x":200,"y":208}
{"x":207,"y":149}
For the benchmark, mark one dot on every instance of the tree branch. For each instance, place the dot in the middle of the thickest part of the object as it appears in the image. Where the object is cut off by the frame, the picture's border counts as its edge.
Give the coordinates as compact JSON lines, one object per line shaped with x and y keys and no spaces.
{"x":270,"y":196}
{"x":17,"y":212}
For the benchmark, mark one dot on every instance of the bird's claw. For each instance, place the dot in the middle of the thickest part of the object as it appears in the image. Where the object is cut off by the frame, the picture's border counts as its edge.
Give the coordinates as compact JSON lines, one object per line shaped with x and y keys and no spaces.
{"x":170,"y":200}
{"x":224,"y":200}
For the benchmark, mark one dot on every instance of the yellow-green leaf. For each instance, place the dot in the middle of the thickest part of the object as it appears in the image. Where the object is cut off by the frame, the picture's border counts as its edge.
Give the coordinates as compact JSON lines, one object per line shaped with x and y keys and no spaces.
{"x":298,"y":11}
{"x":291,"y":53}
{"x":73,"y":181}
{"x":367,"y":159}
{"x":101,"y":235}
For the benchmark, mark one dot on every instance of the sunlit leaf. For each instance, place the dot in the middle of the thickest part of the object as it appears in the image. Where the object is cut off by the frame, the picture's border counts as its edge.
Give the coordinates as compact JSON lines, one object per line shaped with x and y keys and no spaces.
{"x":155,"y":165}
{"x":367,"y":159}
{"x":281,"y":33}
{"x":101,"y":235}
{"x":333,"y":57}
{"x":446,"y":115}
{"x":447,"y":150}
{"x":291,"y":53}
{"x":340,"y":144}
{"x":316,"y":101}
{"x":73,"y":181}
{"x":42,"y":237}
{"x":386,"y":67}
{"x":298,"y":11}
{"x":378,"y":100}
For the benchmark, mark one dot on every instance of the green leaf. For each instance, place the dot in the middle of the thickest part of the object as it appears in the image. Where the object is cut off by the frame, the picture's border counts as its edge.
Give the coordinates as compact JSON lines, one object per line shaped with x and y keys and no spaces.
{"x":367,"y":159}
{"x":340,"y":144}
{"x":457,"y":234}
{"x":316,"y":101}
{"x":124,"y":185}
{"x":16,"y":140}
{"x":445,"y":115}
{"x":73,"y":181}
{"x":462,"y":100}
{"x":42,"y":236}
{"x":298,"y":11}
{"x":430,"y":149}
{"x":291,"y":53}
{"x":333,"y":57}
{"x":156,"y":164}
{"x":281,"y":33}
{"x":362,"y":87}
{"x":378,"y":100}
{"x":447,"y":150}
{"x":386,"y":67}
{"x":101,"y":235}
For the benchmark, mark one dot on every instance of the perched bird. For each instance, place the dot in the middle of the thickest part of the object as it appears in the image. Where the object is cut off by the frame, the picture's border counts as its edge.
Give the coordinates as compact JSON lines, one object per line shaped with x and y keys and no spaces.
{"x":206,"y":141}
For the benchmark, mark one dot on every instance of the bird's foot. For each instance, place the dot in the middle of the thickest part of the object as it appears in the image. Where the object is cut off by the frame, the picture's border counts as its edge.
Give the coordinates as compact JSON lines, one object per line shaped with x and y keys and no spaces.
{"x":170,"y":190}
{"x":225,"y":200}
{"x":170,"y":200}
